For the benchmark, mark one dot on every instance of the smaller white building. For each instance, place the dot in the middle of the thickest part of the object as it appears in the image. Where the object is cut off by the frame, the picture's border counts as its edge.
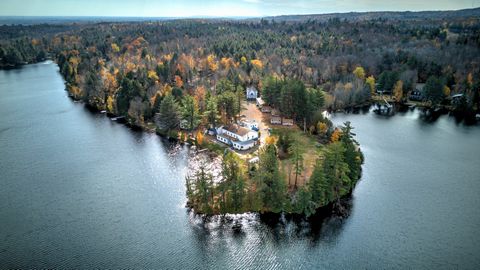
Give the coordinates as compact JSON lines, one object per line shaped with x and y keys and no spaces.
{"x":287,"y":122}
{"x":250,"y":124}
{"x":276,"y":120}
{"x":252,"y":93}
{"x":266,"y":109}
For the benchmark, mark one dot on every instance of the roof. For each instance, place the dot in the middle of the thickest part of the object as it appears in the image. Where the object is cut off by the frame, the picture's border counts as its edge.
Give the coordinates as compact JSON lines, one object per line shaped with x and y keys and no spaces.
{"x":249,"y":121}
{"x":420,"y":86}
{"x":266,"y":108}
{"x":225,"y":136}
{"x":237,"y":129}
{"x":287,"y":121}
{"x":260,"y":101}
{"x":251,"y":88}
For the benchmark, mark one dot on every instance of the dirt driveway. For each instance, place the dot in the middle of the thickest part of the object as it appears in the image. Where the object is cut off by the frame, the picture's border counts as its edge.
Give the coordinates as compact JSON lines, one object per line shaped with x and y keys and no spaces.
{"x":252,"y":112}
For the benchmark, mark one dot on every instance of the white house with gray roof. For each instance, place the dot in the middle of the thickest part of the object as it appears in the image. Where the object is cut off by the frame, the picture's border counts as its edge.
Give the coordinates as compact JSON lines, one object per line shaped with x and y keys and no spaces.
{"x":238,"y":137}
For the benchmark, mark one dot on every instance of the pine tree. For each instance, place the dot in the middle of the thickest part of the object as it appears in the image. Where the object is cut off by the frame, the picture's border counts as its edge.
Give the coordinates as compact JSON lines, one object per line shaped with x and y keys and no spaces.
{"x":353,"y":156}
{"x":317,"y":185}
{"x":296,"y":152}
{"x":168,"y":117}
{"x":270,"y":182}
{"x":190,"y":112}
{"x":336,"y":172}
{"x":304,"y":203}
{"x":211,"y":112}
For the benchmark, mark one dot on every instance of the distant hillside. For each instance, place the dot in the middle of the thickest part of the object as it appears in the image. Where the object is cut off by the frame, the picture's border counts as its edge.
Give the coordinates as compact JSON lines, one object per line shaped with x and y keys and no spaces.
{"x":392,"y":15}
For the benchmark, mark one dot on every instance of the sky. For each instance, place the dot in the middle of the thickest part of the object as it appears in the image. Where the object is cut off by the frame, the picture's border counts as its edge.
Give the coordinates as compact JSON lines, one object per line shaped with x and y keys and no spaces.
{"x":216,"y":8}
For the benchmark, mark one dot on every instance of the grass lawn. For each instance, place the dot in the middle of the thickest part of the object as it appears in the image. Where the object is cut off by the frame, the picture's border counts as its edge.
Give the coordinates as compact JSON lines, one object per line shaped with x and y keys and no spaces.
{"x":311,"y":153}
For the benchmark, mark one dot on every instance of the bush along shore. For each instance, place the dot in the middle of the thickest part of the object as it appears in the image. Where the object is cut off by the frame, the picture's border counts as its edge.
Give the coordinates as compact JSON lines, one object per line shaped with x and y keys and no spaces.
{"x":263,"y":187}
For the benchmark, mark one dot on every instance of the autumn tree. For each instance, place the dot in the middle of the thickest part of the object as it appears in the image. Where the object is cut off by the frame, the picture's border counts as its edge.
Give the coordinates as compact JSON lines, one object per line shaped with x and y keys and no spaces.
{"x":336,"y":135}
{"x":359,"y":72}
{"x":398,"y":91}
{"x":371,"y":84}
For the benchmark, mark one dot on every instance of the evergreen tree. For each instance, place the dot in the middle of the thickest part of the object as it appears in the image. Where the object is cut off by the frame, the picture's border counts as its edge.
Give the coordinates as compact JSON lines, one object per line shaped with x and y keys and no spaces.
{"x":317,"y":185}
{"x":353,"y":156}
{"x":296,"y":153}
{"x":434,"y":90}
{"x":304,"y":203}
{"x":211,"y":112}
{"x":233,"y":184}
{"x":269,"y":181}
{"x":190,"y":112}
{"x":168,"y":117}
{"x":336,"y":172}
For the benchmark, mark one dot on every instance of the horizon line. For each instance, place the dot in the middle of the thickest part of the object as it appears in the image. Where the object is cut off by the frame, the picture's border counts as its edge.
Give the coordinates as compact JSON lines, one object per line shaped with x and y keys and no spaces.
{"x":227,"y":17}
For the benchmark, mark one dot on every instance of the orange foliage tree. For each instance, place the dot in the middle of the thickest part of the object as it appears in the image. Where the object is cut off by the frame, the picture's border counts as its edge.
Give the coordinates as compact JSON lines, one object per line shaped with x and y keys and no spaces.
{"x":336,"y":135}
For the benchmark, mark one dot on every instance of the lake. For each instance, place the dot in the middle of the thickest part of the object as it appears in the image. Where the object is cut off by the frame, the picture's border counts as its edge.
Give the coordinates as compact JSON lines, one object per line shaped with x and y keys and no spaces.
{"x":78,"y":190}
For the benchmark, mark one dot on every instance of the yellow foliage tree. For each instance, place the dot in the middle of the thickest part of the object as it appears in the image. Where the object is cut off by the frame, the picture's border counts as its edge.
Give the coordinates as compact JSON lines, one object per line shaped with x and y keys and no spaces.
{"x":212,"y":63}
{"x":446,"y":91}
{"x":371,"y":83}
{"x":115,"y":47}
{"x":243,"y":60}
{"x":398,"y":90}
{"x":336,"y":135}
{"x":199,"y":138}
{"x":359,"y":72}
{"x":322,"y":128}
{"x":152,"y":75}
{"x":270,"y":140}
{"x":110,"y":104}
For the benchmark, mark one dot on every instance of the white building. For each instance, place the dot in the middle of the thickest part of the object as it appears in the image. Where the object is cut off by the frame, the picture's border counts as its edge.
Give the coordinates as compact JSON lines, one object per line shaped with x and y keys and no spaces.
{"x":252,"y":92}
{"x":240,"y":138}
{"x":287,"y":122}
{"x":276,"y":120}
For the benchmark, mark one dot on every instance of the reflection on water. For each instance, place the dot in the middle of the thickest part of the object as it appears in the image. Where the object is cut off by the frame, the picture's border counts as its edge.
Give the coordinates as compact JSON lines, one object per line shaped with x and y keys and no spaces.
{"x":280,"y":228}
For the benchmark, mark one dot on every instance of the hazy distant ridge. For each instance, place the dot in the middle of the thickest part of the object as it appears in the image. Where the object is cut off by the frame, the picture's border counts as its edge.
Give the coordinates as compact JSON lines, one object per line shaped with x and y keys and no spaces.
{"x":395,"y":15}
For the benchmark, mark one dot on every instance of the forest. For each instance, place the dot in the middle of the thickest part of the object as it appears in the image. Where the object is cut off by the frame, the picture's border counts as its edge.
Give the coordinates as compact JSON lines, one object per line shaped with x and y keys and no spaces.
{"x":127,"y":68}
{"x":190,"y":75}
